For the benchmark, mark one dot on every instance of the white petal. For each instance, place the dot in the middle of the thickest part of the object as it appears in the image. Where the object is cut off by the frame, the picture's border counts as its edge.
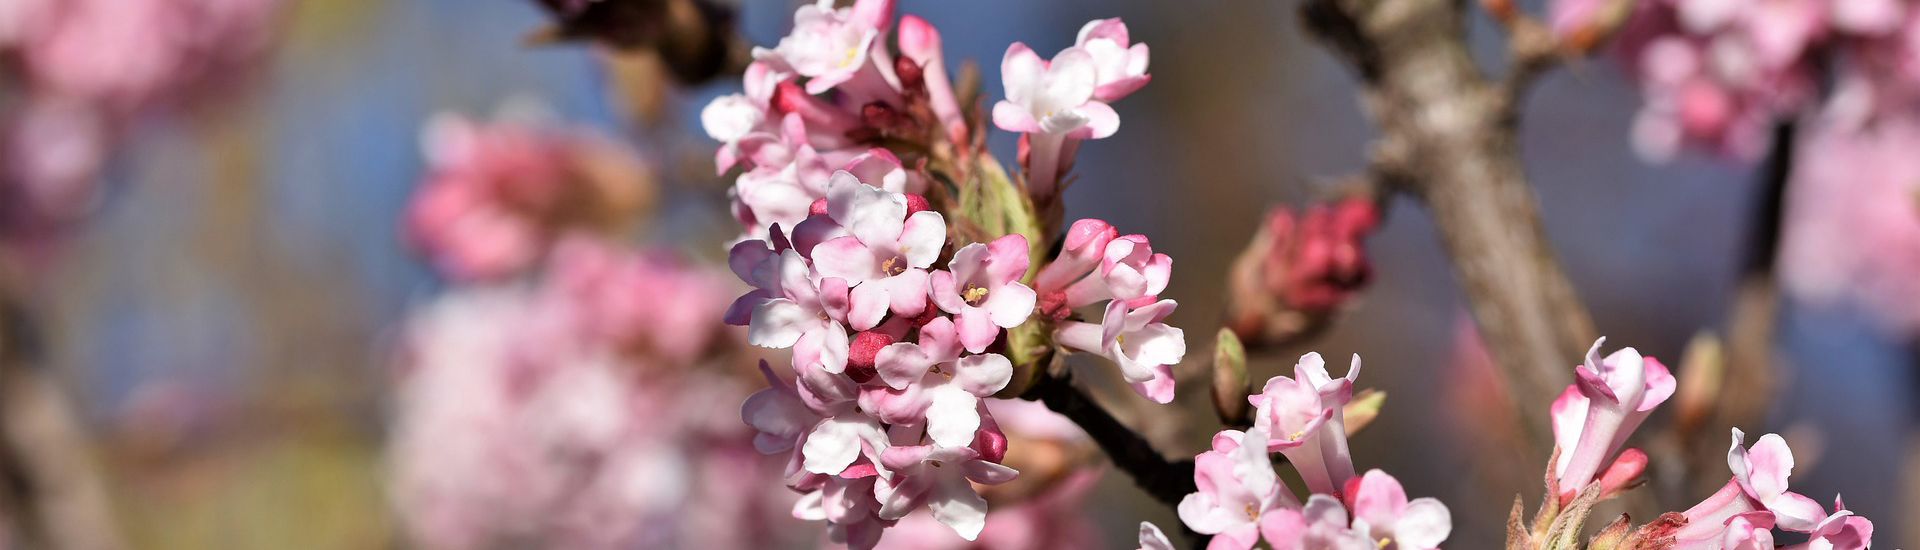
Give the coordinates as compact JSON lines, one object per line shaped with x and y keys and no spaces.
{"x":954,"y":503}
{"x":778,"y":323}
{"x":953,"y":417}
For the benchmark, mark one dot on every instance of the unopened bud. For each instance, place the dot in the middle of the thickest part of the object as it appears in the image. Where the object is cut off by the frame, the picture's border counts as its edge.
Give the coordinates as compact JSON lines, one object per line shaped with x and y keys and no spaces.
{"x":1230,"y":388}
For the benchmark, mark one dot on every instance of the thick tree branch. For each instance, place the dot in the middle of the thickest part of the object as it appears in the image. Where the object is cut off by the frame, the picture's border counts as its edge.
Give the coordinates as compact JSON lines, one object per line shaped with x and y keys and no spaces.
{"x":1448,"y":138}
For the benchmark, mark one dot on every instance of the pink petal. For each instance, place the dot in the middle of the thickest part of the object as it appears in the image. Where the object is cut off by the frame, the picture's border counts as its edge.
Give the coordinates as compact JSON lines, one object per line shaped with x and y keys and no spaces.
{"x":870,"y":302}
{"x":1020,"y":71}
{"x":1014,"y":118}
{"x":1160,"y":388}
{"x":943,"y":289}
{"x":1378,"y":499}
{"x":901,"y":364}
{"x":1010,"y":304}
{"x":1102,"y":121}
{"x":982,"y":375}
{"x":1424,"y":524}
{"x":847,"y":258}
{"x":778,"y":323}
{"x":921,"y":239}
{"x":976,"y":329}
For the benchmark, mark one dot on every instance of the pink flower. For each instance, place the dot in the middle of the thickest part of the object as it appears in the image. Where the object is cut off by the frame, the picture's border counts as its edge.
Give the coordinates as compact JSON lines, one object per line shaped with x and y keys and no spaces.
{"x":848,"y":506}
{"x":1392,"y":521}
{"x":1052,"y":103}
{"x":1121,"y":68}
{"x":1237,"y":486}
{"x":920,"y":42}
{"x":1841,"y":531}
{"x":1053,"y":97}
{"x":1322,"y":524}
{"x":885,"y":253}
{"x":1759,"y":484}
{"x":1152,"y":539}
{"x":831,"y":45}
{"x":1084,"y":248}
{"x":982,"y":290}
{"x":1305,"y":412}
{"x":1136,"y":340}
{"x":950,"y":386}
{"x":1851,"y":234}
{"x":941,"y":478}
{"x":1129,"y":271}
{"x":1609,"y":399}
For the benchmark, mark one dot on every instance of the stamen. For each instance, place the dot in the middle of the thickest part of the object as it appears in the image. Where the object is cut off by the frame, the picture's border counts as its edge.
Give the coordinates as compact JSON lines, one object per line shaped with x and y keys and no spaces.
{"x":973,"y":294}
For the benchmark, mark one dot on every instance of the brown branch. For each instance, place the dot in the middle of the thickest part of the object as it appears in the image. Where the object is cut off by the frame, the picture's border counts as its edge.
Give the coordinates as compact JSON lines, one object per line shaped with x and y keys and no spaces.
{"x":1448,"y":138}
{"x":56,"y":498}
{"x":1164,"y":480}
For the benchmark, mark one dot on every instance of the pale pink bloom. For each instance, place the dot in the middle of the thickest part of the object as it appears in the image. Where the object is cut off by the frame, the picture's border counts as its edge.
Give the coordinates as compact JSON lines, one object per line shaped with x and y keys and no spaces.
{"x":981,"y":288}
{"x":847,"y":505}
{"x":1136,"y":340}
{"x":1609,"y":399}
{"x":950,"y":386}
{"x":1152,"y":539}
{"x":1121,"y":66}
{"x":1322,"y":524}
{"x":1749,"y":531}
{"x":822,"y":441}
{"x":941,"y":478}
{"x":1762,"y":473}
{"x":1052,"y":103}
{"x":886,"y":252}
{"x":830,"y":45}
{"x":1759,"y":484}
{"x":1053,"y":97}
{"x":1394,"y":522}
{"x":1237,"y":486}
{"x":1304,"y":414}
{"x":729,"y":119}
{"x":1840,"y":531}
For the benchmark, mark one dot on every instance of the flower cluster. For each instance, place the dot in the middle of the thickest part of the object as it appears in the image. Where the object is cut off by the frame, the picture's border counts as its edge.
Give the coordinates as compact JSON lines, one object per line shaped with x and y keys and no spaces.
{"x":1592,"y":421}
{"x":1242,"y":501}
{"x":899,"y":264}
{"x":1851,"y":236}
{"x":498,"y":195}
{"x":85,"y":70}
{"x":1717,"y":74}
{"x":563,"y":412}
{"x":893,"y":352}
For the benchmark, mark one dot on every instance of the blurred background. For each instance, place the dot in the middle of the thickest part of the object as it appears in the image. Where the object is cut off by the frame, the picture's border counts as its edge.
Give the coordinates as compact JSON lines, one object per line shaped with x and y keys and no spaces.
{"x":226,"y":316}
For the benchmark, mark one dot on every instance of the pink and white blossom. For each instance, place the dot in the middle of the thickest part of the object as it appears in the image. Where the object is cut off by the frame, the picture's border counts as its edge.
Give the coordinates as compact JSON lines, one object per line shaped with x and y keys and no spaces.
{"x":1592,"y":419}
{"x":940,"y":478}
{"x":1120,"y":65}
{"x":1237,"y":487}
{"x":1305,"y":414}
{"x":1137,"y":340}
{"x":1391,"y":520}
{"x":981,"y":288}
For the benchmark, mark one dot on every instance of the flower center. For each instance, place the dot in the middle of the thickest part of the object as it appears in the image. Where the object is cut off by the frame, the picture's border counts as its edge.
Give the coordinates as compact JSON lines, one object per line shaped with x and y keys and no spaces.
{"x":937,"y":464}
{"x":1121,"y":339}
{"x":852,"y":52}
{"x":1252,"y":513}
{"x":1384,"y":541}
{"x":974,"y":294}
{"x":893,"y":266}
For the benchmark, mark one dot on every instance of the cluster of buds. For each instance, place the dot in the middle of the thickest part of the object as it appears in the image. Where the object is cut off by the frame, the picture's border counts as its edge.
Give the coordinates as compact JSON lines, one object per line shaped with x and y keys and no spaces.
{"x":907,"y":272}
{"x":1592,"y":421}
{"x":1242,"y":501}
{"x":498,"y":195}
{"x":1301,"y":267}
{"x":82,"y":71}
{"x":1718,"y":74}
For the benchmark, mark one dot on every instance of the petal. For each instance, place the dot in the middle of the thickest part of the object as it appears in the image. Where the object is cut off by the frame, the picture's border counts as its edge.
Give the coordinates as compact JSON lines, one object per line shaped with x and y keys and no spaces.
{"x":982,"y":375}
{"x":1771,"y":462}
{"x":1160,"y":388}
{"x":1796,"y":512}
{"x":1202,"y":513}
{"x":921,"y":239}
{"x":988,"y":473}
{"x":1010,"y":304}
{"x":740,"y":312}
{"x":1157,"y":344}
{"x":1152,"y":539}
{"x":940,"y":339}
{"x":941,"y":288}
{"x":896,"y":501}
{"x":872,"y":214}
{"x":1020,"y":71}
{"x":1282,"y":528}
{"x":835,"y":443}
{"x":1379,"y":498}
{"x":1070,"y":79}
{"x":1102,"y":121}
{"x":747,"y":255}
{"x":953,"y":417}
{"x":901,"y":364}
{"x":1424,"y":524}
{"x":977,"y":330}
{"x":1241,"y":537}
{"x":954,"y":503}
{"x":834,"y":299}
{"x":870,"y":304}
{"x":847,"y":258}
{"x":778,"y":323}
{"x":907,"y":292}
{"x":1014,"y":118}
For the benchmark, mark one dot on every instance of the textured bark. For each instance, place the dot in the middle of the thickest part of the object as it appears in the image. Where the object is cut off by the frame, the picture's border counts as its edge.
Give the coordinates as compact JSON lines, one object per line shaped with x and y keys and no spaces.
{"x":1447,"y":138}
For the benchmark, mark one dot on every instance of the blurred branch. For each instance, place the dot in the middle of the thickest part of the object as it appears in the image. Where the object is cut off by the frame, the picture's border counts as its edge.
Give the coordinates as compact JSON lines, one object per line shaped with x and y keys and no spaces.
{"x":57,"y":498}
{"x":1448,"y":139}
